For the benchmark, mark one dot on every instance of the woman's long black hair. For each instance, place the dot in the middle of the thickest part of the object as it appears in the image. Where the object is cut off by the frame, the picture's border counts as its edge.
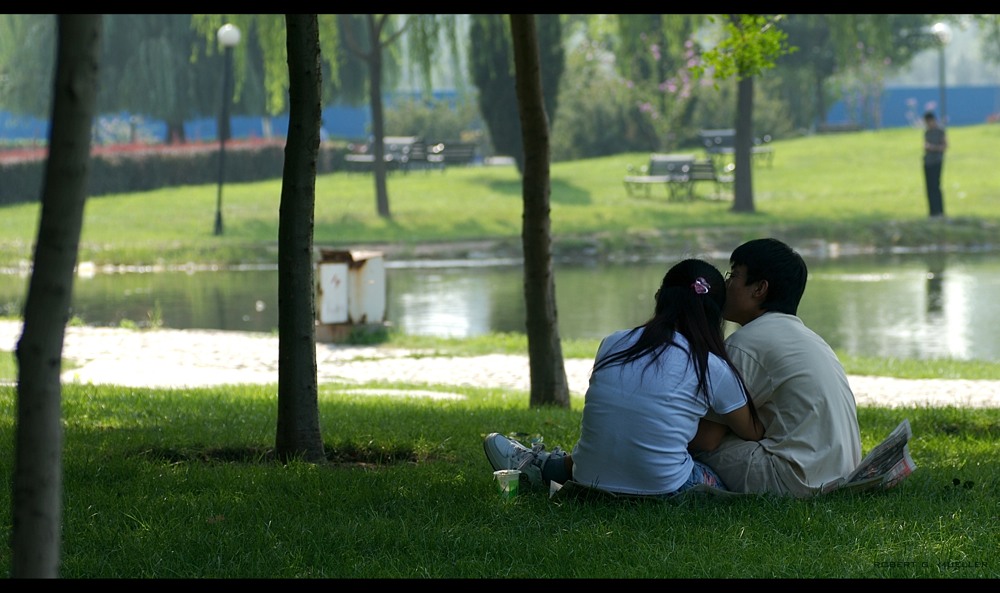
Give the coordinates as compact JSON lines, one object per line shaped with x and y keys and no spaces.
{"x":690,"y":301}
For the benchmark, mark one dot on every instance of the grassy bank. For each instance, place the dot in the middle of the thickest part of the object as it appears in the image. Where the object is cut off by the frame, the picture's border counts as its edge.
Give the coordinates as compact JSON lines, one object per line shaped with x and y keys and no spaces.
{"x":862,"y":188}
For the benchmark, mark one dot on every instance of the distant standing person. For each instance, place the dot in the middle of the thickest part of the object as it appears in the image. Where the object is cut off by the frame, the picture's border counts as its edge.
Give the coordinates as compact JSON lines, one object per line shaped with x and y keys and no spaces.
{"x":935,"y":144}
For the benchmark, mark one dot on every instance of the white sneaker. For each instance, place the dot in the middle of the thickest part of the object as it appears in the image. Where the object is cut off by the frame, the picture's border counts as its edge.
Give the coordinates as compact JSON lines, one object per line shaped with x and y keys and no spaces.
{"x":505,"y":453}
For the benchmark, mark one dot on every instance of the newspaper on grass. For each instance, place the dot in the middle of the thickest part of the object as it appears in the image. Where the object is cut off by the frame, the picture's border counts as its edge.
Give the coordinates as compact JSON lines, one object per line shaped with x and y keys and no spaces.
{"x":885,"y":466}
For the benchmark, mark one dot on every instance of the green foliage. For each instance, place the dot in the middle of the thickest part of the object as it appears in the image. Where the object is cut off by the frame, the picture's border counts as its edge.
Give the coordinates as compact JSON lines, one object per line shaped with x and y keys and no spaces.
{"x":655,"y":58}
{"x":434,"y":120}
{"x":594,"y":119}
{"x":751,"y":44}
{"x":27,"y":53}
{"x":990,"y":24}
{"x":491,"y":63}
{"x":716,"y":108}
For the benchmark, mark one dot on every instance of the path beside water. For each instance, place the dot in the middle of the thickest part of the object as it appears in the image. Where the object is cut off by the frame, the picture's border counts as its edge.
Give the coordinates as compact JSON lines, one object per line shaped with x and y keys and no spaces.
{"x":193,"y":358}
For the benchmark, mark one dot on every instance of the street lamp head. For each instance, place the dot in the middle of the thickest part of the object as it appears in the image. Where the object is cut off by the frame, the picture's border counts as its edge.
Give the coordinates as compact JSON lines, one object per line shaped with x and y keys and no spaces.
{"x":942,"y":32}
{"x":229,"y":35}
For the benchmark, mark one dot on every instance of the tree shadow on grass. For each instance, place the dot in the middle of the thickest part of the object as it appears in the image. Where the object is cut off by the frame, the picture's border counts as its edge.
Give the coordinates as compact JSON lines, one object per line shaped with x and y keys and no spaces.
{"x":345,"y":455}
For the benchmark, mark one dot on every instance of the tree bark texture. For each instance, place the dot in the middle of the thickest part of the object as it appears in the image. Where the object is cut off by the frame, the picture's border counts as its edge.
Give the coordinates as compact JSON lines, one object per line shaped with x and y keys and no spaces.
{"x":743,"y":182}
{"x":298,"y":433}
{"x":743,"y":143}
{"x":549,"y":385}
{"x":37,"y":492}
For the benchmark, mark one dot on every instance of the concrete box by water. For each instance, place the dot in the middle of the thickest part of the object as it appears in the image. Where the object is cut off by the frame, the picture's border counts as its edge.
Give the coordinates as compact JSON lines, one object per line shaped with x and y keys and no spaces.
{"x":350,"y":293}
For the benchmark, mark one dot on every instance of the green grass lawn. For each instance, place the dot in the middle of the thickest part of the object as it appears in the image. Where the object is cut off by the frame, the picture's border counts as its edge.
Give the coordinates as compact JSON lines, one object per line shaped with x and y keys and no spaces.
{"x":163,"y":483}
{"x":860,"y":187}
{"x":178,"y":484}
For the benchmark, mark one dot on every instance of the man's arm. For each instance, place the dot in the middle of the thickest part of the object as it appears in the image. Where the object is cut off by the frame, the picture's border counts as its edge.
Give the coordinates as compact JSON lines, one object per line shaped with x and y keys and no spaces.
{"x":743,"y":423}
{"x":710,"y":433}
{"x":708,"y":437}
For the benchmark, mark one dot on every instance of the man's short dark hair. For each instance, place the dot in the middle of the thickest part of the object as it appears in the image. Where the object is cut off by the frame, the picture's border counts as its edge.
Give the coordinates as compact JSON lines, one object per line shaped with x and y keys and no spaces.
{"x":782,"y":267}
{"x":929,"y":116}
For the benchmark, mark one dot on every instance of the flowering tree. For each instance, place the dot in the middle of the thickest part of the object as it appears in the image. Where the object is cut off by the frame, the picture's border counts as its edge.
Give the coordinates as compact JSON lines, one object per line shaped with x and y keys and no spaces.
{"x":662,"y":102}
{"x":654,"y":56}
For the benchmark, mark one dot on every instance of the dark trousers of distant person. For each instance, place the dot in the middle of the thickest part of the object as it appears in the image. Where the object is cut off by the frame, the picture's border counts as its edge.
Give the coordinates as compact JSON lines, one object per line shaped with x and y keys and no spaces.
{"x":932,"y":174}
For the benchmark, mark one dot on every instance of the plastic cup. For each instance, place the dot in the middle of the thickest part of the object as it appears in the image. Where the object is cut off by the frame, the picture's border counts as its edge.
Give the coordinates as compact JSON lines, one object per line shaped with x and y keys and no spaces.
{"x":507,"y":482}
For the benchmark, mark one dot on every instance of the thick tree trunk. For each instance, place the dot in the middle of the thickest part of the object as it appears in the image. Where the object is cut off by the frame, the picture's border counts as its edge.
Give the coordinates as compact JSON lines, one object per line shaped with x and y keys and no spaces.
{"x":298,"y":434}
{"x":37,"y":493}
{"x":743,"y":183}
{"x":549,"y":385}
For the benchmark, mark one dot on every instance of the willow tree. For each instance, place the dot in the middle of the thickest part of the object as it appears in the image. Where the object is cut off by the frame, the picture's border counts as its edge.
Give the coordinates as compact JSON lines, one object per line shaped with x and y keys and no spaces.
{"x":492,"y":68}
{"x":378,"y":34}
{"x":264,"y":52}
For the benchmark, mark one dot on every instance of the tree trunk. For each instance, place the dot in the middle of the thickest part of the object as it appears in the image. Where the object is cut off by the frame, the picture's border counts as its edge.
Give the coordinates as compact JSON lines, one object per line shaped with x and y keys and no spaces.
{"x":175,"y":133}
{"x":820,"y":102}
{"x":37,"y":493}
{"x":298,"y":434}
{"x":549,"y":385}
{"x":378,"y":117}
{"x":743,"y":182}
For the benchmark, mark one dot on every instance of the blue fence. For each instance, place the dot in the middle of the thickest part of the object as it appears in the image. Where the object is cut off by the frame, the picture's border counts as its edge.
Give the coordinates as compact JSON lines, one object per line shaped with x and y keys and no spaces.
{"x":339,"y":122}
{"x":903,"y":106}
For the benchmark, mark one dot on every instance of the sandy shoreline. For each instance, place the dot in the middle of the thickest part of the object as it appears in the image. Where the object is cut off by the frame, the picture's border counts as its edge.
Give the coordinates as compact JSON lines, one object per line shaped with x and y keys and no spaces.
{"x":191,"y":358}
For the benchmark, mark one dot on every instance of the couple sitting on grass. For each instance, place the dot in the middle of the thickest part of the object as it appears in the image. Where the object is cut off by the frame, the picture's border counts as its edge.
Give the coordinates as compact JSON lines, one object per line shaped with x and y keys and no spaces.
{"x":672,"y":404}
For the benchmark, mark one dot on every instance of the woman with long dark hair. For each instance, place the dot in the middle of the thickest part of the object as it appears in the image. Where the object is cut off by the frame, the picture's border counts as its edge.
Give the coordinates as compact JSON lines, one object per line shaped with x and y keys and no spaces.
{"x":649,"y":388}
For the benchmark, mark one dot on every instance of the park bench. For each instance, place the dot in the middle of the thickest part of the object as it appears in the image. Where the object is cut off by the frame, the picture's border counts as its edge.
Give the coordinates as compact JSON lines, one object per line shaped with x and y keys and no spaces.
{"x":439,"y":155}
{"x":458,"y":153}
{"x":668,"y":170}
{"x":705,"y":170}
{"x":721,"y":144}
{"x":406,"y":153}
{"x":396,"y":155}
{"x":425,"y":156}
{"x":678,"y":174}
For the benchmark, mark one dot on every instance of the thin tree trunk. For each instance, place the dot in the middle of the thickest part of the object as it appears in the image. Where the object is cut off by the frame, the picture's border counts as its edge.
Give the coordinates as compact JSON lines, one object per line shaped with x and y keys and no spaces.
{"x":37,"y":493}
{"x":549,"y":385}
{"x":298,"y":433}
{"x":378,"y":117}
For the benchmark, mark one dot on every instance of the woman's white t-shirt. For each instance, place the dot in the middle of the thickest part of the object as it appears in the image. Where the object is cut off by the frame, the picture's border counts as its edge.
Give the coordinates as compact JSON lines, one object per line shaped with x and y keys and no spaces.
{"x":638,"y":421}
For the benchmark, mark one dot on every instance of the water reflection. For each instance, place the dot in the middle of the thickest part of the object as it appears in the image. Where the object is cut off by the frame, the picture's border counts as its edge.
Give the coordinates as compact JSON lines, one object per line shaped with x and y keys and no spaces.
{"x":908,"y":306}
{"x":935,"y":287}
{"x":909,"y":311}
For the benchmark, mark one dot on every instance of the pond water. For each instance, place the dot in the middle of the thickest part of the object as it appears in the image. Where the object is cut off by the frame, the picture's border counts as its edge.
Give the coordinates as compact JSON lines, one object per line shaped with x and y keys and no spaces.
{"x":918,"y":306}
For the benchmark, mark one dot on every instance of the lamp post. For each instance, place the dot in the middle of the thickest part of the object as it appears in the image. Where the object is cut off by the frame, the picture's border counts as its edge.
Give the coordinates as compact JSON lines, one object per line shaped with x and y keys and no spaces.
{"x":942,"y":32}
{"x":229,"y":36}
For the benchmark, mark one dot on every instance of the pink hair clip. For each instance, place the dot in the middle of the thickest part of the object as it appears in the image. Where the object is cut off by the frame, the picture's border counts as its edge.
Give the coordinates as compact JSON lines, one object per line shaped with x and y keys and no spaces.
{"x":700,"y":286}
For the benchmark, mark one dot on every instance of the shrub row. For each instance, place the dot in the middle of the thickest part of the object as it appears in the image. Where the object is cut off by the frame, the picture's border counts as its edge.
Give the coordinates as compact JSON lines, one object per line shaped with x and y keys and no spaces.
{"x":134,"y":169}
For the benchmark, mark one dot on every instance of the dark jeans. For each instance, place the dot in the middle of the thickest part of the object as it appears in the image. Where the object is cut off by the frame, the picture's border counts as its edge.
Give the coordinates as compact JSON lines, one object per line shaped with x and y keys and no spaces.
{"x":932,"y":174}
